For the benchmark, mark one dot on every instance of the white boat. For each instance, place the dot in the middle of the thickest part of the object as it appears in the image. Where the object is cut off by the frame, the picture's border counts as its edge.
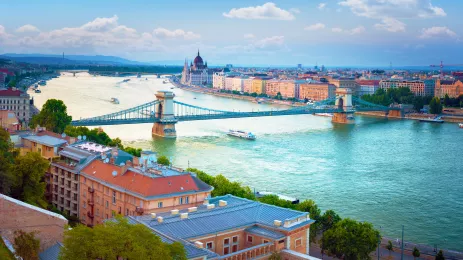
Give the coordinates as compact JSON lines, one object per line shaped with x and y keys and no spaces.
{"x":242,"y":134}
{"x":460,"y":125}
{"x":126,"y":80}
{"x":261,"y":194}
{"x":324,"y":114}
{"x":114,"y":100}
{"x":437,"y":119}
{"x":165,"y":82}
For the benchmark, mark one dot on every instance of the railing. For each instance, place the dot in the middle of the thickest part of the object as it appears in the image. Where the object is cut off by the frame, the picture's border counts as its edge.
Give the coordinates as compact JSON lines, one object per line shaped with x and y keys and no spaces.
{"x":139,"y":210}
{"x":251,"y":252}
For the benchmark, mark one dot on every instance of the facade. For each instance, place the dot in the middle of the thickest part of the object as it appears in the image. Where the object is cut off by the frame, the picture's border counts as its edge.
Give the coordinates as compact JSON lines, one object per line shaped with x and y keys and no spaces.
{"x":453,"y":88}
{"x":47,"y":146}
{"x":235,"y":228}
{"x":287,"y":88}
{"x":9,"y":121}
{"x":197,"y":74}
{"x":17,"y":102}
{"x":108,"y":188}
{"x":258,"y":86}
{"x":317,"y":91}
{"x":367,"y":87}
{"x":229,"y":82}
{"x":218,"y":80}
{"x":247,"y":85}
{"x":237,"y":84}
{"x":417,"y":87}
{"x":344,"y":83}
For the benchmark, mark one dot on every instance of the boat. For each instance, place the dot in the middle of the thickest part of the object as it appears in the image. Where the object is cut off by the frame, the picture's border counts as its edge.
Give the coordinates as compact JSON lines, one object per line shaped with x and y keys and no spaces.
{"x":138,"y":75}
{"x":165,"y":81}
{"x":126,"y":80}
{"x":436,"y":119}
{"x":242,"y":134}
{"x":114,"y":100}
{"x":171,"y":87}
{"x":460,"y":125}
{"x":324,"y":114}
{"x":42,"y":83}
{"x":37,"y":91}
{"x":261,"y":194}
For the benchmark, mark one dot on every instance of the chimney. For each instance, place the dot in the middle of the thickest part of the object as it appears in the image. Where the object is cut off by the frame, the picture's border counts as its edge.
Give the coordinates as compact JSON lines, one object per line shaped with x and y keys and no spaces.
{"x":199,"y":244}
{"x":192,"y":209}
{"x":112,"y":160}
{"x":183,"y":215}
{"x":174,"y":212}
{"x":206,"y":202}
{"x":153,"y":215}
{"x":124,"y":169}
{"x":277,"y":223}
{"x":160,"y":219}
{"x":129,"y":163}
{"x":136,"y":162}
{"x":222,"y":203}
{"x":210,"y":206}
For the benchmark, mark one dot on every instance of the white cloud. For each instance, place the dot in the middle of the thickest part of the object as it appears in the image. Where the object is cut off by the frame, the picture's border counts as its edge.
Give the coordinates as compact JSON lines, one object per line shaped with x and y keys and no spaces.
{"x":336,"y":30}
{"x":356,"y":30}
{"x":391,"y":11}
{"x":436,"y":31}
{"x":101,"y":24}
{"x":321,"y":6}
{"x":266,"y":11}
{"x":315,"y":27}
{"x":295,"y":10}
{"x":273,"y":41}
{"x":249,"y":36}
{"x":391,"y":25}
{"x":178,"y":33}
{"x":27,"y":28}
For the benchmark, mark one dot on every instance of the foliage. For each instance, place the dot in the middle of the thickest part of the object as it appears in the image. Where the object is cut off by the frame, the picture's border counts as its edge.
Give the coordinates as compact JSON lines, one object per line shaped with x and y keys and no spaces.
{"x":275,"y":256}
{"x":389,"y":246}
{"x":279,"y":96}
{"x":114,"y":239}
{"x":446,"y":100}
{"x":5,"y":252}
{"x":397,"y":95}
{"x":133,"y":151}
{"x":26,"y":245}
{"x":435,"y":107}
{"x":28,"y":174}
{"x":6,"y":160}
{"x":440,"y":255}
{"x":53,"y":116}
{"x":163,"y":160}
{"x":416,"y":253}
{"x":328,"y":220}
{"x":350,"y":239}
{"x":254,"y":94}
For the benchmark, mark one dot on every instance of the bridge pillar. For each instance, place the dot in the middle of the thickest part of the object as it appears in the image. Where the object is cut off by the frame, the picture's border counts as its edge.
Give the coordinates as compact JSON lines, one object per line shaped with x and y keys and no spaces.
{"x":164,"y":113}
{"x":395,"y":113}
{"x":344,"y":102}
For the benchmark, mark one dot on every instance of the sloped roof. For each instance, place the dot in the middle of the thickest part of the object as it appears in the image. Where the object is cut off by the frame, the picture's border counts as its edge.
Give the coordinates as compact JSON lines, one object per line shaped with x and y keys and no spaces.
{"x":46,"y":140}
{"x":264,"y":232}
{"x":51,"y":253}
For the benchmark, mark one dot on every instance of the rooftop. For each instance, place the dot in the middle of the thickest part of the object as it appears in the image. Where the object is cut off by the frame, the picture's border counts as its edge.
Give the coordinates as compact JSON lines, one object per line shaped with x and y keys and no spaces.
{"x":45,"y":140}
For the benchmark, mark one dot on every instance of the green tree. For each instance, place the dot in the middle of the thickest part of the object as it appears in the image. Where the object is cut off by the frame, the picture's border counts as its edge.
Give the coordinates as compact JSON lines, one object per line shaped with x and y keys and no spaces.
{"x":28,"y":173}
{"x":440,"y":255}
{"x":163,"y":160}
{"x":435,"y":107}
{"x":118,"y":238}
{"x":314,"y":213}
{"x":275,"y":256}
{"x":53,"y":116}
{"x":350,"y":239}
{"x":328,"y":220}
{"x":389,"y":247}
{"x":6,"y":160}
{"x":418,"y":103}
{"x":446,"y":100}
{"x":26,"y":245}
{"x":416,"y":253}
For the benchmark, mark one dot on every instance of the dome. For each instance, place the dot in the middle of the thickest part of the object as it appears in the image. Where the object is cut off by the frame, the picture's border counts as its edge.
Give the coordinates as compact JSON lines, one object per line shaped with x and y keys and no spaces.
{"x":198,"y":60}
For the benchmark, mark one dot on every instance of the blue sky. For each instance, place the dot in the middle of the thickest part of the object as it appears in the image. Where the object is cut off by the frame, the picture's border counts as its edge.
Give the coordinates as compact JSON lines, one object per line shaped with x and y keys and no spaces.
{"x":280,"y":32}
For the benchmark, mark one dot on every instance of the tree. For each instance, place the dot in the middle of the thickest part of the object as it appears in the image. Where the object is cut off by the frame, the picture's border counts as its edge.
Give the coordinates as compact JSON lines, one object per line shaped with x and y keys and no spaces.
{"x":28,"y":173}
{"x":118,"y":238}
{"x":328,"y":220}
{"x":6,"y":160}
{"x":389,"y":247}
{"x":350,"y":239}
{"x":446,"y":100}
{"x":163,"y":160}
{"x":416,"y":253}
{"x":53,"y":116}
{"x":440,"y":255}
{"x":418,"y":103}
{"x":275,"y":256}
{"x":435,"y":107}
{"x":26,"y":245}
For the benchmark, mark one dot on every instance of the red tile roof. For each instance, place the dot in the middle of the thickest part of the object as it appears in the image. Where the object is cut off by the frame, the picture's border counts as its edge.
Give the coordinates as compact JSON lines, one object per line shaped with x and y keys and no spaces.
{"x":10,"y":93}
{"x":368,"y":82}
{"x":7,"y":72}
{"x":139,"y":183}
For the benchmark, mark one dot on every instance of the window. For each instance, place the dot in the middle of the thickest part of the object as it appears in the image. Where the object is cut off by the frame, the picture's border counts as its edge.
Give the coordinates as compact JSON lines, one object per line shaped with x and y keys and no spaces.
{"x":126,"y":212}
{"x":235,"y":244}
{"x":181,"y":201}
{"x":226,"y":246}
{"x":187,"y":200}
{"x":160,"y":204}
{"x":107,"y":204}
{"x":226,"y":242}
{"x":114,"y":197}
{"x":85,"y":205}
{"x":298,"y":242}
{"x":234,"y":248}
{"x":98,"y":212}
{"x":264,"y":241}
{"x":249,"y":239}
{"x":210,"y":245}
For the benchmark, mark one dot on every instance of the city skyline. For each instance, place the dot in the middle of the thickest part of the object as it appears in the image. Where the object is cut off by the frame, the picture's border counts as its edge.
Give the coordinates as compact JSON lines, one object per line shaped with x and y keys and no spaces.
{"x":331,"y":32}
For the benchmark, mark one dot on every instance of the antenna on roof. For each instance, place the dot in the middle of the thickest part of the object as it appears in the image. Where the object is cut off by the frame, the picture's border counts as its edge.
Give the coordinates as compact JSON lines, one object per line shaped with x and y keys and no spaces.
{"x":114,"y":173}
{"x":79,"y":138}
{"x":106,"y":160}
{"x":121,"y":164}
{"x":84,"y":137}
{"x":63,"y":135}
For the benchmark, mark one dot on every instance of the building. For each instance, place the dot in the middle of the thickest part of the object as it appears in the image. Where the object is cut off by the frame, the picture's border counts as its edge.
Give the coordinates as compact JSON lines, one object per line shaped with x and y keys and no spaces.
{"x":197,"y":74}
{"x":247,"y":85}
{"x":16,"y":101}
{"x":367,"y":87}
{"x":417,"y":87}
{"x":9,"y":121}
{"x":218,"y":80}
{"x":47,"y":146}
{"x":287,"y":88}
{"x":237,"y":84}
{"x":258,"y":85}
{"x":316,"y":91}
{"x":2,"y":79}
{"x":344,"y":83}
{"x":108,"y":188}
{"x":229,"y":82}
{"x":17,"y":215}
{"x":235,"y":228}
{"x":453,"y":88}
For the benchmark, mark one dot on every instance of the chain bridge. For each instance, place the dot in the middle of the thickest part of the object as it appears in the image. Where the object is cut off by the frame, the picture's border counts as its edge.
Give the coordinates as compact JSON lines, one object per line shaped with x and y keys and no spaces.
{"x":165,"y":112}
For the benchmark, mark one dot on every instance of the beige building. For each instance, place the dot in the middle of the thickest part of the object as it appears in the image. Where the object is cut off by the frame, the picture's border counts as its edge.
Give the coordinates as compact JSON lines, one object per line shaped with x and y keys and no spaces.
{"x":229,"y":82}
{"x":16,"y":101}
{"x":258,"y":86}
{"x":453,"y":88}
{"x":316,"y":91}
{"x":247,"y":85}
{"x":218,"y":80}
{"x":287,"y":88}
{"x":237,"y":84}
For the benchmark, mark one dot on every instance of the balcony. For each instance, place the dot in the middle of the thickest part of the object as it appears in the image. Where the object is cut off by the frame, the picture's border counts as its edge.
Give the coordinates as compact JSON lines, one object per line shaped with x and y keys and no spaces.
{"x":254,"y":252}
{"x":90,"y":214}
{"x":90,"y":202}
{"x":64,"y":164}
{"x":91,"y":190}
{"x":139,"y":210}
{"x":47,"y":175}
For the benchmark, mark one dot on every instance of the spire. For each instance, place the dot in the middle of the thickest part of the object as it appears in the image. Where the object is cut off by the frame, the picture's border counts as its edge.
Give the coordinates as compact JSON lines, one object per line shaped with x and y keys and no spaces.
{"x":198,"y":52}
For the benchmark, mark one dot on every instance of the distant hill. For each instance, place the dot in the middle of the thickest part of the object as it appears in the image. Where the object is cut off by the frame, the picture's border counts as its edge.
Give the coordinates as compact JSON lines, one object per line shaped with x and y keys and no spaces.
{"x":70,"y":59}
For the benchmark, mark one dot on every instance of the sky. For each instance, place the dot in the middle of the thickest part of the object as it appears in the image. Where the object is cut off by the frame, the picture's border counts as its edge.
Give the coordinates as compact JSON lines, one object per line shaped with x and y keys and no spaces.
{"x":241,"y":32}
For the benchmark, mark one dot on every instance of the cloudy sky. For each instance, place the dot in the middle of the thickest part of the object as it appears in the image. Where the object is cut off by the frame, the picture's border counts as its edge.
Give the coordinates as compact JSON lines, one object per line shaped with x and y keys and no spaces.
{"x":281,"y":32}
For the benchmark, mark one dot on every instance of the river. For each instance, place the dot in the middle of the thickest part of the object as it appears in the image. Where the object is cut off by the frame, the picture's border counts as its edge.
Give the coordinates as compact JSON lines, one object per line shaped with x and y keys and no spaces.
{"x":388,"y":172}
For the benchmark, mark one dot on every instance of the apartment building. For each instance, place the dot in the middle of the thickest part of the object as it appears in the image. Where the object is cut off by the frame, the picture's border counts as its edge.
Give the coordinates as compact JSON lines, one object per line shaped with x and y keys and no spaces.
{"x":247,"y":84}
{"x":287,"y":88}
{"x":229,"y":82}
{"x":453,"y":88}
{"x":417,"y":87}
{"x":235,"y":228}
{"x":258,"y":86}
{"x":316,"y":91}
{"x":107,"y":189}
{"x":218,"y":80}
{"x":367,"y":87}
{"x":9,"y":121}
{"x":16,"y":101}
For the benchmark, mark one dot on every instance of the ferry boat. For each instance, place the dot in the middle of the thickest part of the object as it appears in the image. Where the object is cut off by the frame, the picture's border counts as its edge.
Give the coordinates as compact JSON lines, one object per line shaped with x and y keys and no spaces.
{"x":37,"y":91}
{"x":242,"y":134}
{"x":42,"y":83}
{"x":126,"y":80}
{"x":114,"y":100}
{"x":165,"y":82}
{"x":437,"y":119}
{"x":324,"y":114}
{"x":460,"y":125}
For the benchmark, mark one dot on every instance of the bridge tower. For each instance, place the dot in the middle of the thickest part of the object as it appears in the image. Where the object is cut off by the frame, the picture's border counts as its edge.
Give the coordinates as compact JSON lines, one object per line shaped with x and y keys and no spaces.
{"x":344,"y":102}
{"x":164,"y":113}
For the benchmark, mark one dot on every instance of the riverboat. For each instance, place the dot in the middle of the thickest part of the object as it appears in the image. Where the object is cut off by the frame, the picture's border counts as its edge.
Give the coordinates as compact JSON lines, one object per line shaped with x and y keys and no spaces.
{"x":126,"y":80}
{"x":261,"y":194}
{"x":165,"y":82}
{"x":42,"y":83}
{"x":436,"y":119}
{"x":324,"y":114}
{"x":114,"y":100}
{"x":37,"y":91}
{"x":242,"y":134}
{"x":460,"y":125}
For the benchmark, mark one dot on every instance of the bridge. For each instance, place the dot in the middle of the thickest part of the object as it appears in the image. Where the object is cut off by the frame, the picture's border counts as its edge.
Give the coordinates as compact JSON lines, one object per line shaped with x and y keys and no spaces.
{"x":165,"y":112}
